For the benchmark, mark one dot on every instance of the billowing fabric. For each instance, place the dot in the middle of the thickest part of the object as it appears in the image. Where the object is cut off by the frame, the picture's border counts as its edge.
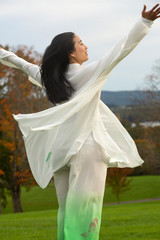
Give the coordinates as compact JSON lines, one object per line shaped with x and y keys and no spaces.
{"x":52,"y":136}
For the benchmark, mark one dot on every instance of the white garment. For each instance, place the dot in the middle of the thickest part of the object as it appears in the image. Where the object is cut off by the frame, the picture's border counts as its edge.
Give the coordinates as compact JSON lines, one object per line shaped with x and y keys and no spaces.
{"x":52,"y":136}
{"x":80,"y":189}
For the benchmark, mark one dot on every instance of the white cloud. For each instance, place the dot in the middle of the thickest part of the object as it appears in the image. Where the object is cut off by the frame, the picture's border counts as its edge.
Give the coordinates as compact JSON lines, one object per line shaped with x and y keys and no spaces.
{"x":100,"y":23}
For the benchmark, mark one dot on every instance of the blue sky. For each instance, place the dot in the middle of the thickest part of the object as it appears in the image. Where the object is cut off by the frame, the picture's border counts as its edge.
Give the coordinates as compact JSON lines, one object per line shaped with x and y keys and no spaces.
{"x":99,"y":23}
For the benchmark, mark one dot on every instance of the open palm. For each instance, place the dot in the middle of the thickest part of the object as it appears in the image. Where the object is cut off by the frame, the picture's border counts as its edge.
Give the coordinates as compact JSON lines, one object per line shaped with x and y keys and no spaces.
{"x":152,"y":14}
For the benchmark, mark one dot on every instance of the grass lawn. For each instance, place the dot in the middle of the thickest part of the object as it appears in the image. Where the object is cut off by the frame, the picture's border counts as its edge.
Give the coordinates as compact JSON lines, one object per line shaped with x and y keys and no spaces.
{"x":142,"y":187}
{"x":38,"y":199}
{"x":136,"y":221}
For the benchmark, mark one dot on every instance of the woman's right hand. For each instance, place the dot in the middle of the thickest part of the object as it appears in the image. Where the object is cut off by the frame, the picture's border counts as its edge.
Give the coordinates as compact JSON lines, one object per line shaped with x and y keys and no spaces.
{"x":151,"y":14}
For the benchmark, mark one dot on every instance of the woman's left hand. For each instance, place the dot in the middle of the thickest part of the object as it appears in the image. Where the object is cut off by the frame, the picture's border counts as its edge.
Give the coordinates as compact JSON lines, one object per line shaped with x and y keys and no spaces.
{"x":151,"y":14}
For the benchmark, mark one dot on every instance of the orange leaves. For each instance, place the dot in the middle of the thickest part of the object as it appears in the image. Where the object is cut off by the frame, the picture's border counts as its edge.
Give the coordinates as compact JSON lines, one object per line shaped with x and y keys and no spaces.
{"x":2,"y":71}
{"x":18,"y":95}
{"x":2,"y":74}
{"x":117,"y":180}
{"x":24,"y":177}
{"x":9,"y":145}
{"x":21,"y":174}
{"x":118,"y":176}
{"x":1,"y":172}
{"x":11,"y":158}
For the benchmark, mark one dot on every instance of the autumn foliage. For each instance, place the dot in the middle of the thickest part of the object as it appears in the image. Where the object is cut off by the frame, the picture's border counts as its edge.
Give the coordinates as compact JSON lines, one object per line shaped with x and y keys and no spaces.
{"x":118,"y":181}
{"x":17,"y":95}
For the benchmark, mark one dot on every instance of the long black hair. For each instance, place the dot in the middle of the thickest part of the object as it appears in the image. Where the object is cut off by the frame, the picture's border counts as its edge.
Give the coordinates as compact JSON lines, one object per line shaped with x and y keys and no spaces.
{"x":54,"y":65}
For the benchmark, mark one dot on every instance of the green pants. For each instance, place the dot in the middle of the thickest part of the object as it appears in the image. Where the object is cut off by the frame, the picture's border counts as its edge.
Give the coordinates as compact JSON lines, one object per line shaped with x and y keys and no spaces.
{"x":80,"y":190}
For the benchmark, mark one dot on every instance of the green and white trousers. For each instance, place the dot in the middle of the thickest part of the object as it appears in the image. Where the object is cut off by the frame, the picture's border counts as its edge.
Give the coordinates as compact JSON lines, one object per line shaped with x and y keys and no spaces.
{"x":80,"y":189}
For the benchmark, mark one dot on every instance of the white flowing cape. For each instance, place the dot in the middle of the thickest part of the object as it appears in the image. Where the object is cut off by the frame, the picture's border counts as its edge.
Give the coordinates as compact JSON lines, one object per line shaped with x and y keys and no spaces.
{"x":52,"y":136}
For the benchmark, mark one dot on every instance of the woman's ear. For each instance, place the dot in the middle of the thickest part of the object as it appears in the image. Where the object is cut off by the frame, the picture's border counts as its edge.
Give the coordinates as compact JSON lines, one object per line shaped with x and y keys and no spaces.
{"x":72,"y":55}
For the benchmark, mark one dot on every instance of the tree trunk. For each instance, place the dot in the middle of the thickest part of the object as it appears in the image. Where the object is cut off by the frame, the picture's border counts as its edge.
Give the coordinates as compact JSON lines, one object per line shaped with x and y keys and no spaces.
{"x":16,"y":199}
{"x":118,"y":197}
{"x":0,"y":204}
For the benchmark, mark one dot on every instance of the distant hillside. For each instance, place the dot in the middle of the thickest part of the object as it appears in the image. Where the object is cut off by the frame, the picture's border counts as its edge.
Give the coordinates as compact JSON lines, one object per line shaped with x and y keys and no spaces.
{"x":122,"y":98}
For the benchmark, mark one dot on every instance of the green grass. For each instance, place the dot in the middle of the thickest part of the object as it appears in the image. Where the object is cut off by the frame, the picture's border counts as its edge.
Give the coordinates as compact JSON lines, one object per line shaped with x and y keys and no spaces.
{"x":131,"y":222}
{"x":138,"y":221}
{"x":142,"y":187}
{"x":37,"y":199}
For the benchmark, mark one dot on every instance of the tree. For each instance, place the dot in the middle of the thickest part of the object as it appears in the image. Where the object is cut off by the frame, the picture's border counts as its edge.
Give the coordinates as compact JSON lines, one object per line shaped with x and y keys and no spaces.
{"x":2,"y":195}
{"x":117,"y":180}
{"x":147,"y":140}
{"x":4,"y":175}
{"x":149,"y":150}
{"x":146,"y":150}
{"x":17,"y":95}
{"x":152,"y":88}
{"x":148,"y":143}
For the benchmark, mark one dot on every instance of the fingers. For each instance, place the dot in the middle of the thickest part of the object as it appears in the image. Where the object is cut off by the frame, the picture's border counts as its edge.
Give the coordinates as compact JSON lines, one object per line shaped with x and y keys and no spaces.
{"x":151,"y":14}
{"x":144,"y":8}
{"x":157,"y":10}
{"x":156,"y":13}
{"x":155,"y":7}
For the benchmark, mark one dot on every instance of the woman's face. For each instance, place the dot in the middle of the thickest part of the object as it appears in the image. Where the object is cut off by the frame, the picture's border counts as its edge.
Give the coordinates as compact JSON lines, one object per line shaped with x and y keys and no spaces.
{"x":79,"y":55}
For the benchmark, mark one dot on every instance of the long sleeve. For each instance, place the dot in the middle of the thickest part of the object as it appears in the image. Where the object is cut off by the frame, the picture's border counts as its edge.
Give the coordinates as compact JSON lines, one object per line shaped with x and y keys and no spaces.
{"x":124,"y":46}
{"x":81,"y":115}
{"x":32,"y":70}
{"x":98,"y":71}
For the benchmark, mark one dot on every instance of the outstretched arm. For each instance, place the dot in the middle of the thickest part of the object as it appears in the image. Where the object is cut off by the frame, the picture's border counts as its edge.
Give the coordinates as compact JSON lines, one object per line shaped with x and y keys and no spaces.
{"x":147,"y":18}
{"x":32,"y":70}
{"x":105,"y":65}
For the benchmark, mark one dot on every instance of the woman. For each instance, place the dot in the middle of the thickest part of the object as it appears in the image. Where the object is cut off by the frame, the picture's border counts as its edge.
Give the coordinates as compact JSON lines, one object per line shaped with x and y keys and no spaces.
{"x":80,"y":136}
